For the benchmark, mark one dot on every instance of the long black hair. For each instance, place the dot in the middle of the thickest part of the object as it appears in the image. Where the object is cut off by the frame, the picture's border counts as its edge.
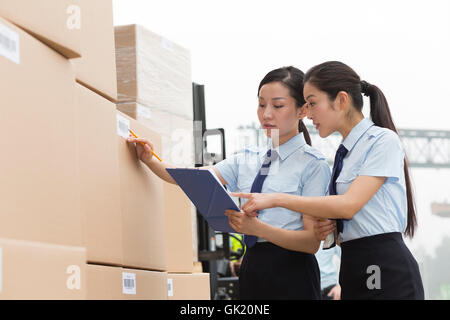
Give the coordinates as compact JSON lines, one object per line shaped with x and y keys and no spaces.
{"x":292,"y":78}
{"x":332,"y":77}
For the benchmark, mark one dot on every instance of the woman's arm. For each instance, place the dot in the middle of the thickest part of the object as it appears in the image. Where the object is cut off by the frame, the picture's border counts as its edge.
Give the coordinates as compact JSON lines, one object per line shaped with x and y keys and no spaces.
{"x":144,"y":153}
{"x":345,"y":206}
{"x":297,"y":240}
{"x":159,"y":168}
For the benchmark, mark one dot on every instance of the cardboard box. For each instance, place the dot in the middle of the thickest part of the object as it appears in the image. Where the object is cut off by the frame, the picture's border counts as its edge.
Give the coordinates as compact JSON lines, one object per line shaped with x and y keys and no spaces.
{"x":57,"y":23}
{"x":99,"y":177}
{"x":114,"y":283}
{"x":177,"y":139}
{"x":34,"y":270}
{"x":193,"y":286}
{"x":178,"y":229}
{"x":40,"y":197}
{"x":153,"y":71}
{"x":177,"y":133}
{"x":156,"y":216}
{"x":104,"y":282}
{"x":96,"y":69}
{"x":198,"y":268}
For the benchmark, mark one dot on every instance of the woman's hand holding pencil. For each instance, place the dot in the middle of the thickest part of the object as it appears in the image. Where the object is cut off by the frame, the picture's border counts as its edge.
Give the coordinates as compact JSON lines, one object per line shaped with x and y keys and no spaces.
{"x":144,"y":148}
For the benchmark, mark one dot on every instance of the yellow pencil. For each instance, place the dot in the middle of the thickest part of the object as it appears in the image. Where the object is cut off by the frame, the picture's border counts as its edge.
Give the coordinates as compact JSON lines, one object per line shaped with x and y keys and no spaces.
{"x":134,"y":135}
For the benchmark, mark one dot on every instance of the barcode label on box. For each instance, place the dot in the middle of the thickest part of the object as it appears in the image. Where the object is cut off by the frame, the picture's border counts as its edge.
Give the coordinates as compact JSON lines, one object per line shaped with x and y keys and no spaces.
{"x":123,"y":125}
{"x":9,"y":44}
{"x":128,"y":283}
{"x":170,"y":287}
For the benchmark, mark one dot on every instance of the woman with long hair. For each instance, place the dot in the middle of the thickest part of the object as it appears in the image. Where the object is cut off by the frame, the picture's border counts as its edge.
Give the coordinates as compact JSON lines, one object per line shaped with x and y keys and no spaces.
{"x":370,"y":196}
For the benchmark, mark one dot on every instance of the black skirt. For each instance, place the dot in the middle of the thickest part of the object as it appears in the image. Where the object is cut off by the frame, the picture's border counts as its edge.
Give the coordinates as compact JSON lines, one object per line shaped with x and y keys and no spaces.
{"x":379,"y":267}
{"x":271,"y":272}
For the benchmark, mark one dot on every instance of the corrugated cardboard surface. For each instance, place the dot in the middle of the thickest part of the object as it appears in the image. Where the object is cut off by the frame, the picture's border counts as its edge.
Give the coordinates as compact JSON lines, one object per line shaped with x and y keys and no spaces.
{"x":149,"y":284}
{"x":104,"y":283}
{"x":39,"y":193}
{"x":33,"y":270}
{"x":96,"y":69}
{"x":153,"y":71}
{"x":194,"y":286}
{"x":177,"y":214}
{"x":54,"y":22}
{"x":156,"y":216}
{"x":99,"y":177}
{"x":177,"y":138}
{"x":142,"y":205}
{"x":126,"y":63}
{"x":107,"y":283}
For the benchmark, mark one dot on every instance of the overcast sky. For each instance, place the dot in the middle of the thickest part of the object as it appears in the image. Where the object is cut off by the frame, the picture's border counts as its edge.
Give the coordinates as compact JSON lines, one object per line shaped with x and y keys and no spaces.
{"x":401,"y":46}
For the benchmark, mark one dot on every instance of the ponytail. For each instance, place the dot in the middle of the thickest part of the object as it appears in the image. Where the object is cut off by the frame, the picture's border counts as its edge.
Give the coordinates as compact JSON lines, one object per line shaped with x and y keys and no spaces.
{"x":333,"y":77}
{"x":381,"y":116}
{"x":302,"y":128}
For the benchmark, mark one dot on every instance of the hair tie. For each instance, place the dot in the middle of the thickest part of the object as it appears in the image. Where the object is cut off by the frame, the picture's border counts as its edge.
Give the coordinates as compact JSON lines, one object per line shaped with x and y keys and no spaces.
{"x":365,"y":88}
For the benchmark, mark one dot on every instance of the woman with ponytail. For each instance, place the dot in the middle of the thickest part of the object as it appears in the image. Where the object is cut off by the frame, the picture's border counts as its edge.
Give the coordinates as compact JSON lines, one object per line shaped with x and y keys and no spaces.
{"x":370,"y":197}
{"x":279,"y":261}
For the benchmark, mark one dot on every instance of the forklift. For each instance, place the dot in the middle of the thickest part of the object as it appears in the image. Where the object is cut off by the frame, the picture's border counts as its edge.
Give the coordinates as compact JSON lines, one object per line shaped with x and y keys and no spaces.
{"x":214,"y":250}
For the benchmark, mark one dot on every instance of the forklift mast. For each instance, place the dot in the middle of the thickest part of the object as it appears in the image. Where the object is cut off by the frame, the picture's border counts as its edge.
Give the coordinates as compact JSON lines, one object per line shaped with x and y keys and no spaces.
{"x":212,"y":246}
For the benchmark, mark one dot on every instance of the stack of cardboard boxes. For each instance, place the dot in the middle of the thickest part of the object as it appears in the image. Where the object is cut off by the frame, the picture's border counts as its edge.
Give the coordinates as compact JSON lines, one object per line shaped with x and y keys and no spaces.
{"x":41,"y":247}
{"x":81,"y":216}
{"x":155,"y":87}
{"x":155,"y":95}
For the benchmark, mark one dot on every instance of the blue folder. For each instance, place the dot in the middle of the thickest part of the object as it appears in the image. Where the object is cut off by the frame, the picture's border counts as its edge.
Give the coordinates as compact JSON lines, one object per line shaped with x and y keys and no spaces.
{"x":207,"y":194}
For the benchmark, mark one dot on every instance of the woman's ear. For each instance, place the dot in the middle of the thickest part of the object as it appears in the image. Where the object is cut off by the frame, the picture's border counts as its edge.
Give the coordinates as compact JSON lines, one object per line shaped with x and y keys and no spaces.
{"x":342,"y":100}
{"x":301,"y":112}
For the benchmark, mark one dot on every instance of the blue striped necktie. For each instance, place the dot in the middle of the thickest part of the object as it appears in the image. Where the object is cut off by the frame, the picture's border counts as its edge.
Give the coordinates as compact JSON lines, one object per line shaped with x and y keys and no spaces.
{"x":250,"y":241}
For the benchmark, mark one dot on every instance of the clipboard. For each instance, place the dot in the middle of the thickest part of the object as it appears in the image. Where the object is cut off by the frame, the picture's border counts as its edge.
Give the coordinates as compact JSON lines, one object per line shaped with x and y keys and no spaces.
{"x":208,"y":194}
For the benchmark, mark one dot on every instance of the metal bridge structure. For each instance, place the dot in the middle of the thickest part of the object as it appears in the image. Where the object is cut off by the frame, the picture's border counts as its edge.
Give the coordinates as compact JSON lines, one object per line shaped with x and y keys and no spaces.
{"x":423,"y":148}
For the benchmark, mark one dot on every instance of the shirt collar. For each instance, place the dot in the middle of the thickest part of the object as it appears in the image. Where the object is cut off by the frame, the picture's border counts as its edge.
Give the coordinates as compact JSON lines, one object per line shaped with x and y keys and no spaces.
{"x":356,"y":133}
{"x":287,"y":148}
